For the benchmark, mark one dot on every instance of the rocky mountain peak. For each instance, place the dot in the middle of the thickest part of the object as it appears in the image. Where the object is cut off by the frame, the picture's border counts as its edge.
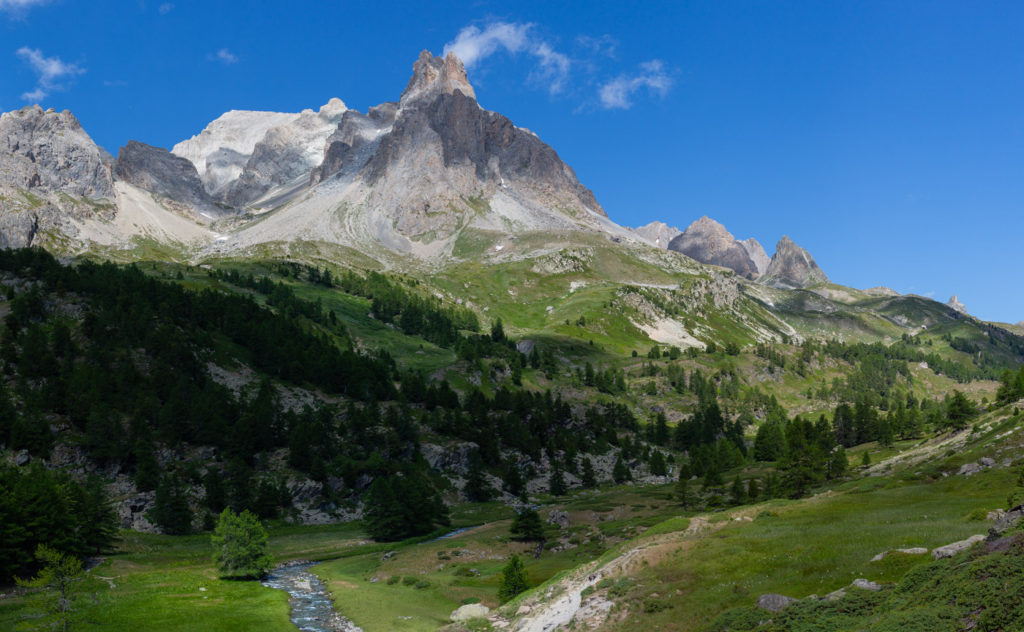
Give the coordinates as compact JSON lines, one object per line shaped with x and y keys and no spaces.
{"x":432,"y":76}
{"x":658,"y":233}
{"x":792,"y":267}
{"x":955,"y":303}
{"x":49,"y":150}
{"x":708,"y":241}
{"x":333,"y":109}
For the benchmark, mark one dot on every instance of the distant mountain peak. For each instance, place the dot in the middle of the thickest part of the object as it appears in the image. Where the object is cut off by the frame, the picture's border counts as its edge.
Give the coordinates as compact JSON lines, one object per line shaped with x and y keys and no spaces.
{"x":432,"y":76}
{"x":793,"y":267}
{"x":955,"y":303}
{"x":708,"y":241}
{"x":658,"y":233}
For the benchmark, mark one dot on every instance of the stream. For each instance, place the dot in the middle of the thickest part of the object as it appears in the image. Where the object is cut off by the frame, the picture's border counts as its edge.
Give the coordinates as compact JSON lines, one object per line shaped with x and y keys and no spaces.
{"x":311,"y":606}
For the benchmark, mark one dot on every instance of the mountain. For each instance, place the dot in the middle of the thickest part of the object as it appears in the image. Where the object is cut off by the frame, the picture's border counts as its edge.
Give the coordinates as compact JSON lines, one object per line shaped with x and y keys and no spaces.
{"x":658,"y":233}
{"x":792,"y":267}
{"x":709,"y":242}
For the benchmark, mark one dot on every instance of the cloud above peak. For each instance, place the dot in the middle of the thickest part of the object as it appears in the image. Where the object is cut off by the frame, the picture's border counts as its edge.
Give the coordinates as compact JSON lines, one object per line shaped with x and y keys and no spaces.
{"x":586,"y":70}
{"x":473,"y":45}
{"x":224,"y":56}
{"x":52,"y":74}
{"x":618,"y":93}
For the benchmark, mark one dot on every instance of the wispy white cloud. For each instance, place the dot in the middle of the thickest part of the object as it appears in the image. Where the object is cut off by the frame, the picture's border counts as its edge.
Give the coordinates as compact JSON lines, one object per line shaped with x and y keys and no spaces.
{"x":18,"y":6}
{"x":473,"y":45}
{"x":52,"y":73}
{"x":224,"y":56}
{"x":165,"y":8}
{"x":603,"y":45}
{"x":618,"y":93}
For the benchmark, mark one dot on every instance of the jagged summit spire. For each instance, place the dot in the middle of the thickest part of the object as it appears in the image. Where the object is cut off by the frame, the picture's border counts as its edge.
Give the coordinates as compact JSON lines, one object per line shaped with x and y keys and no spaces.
{"x":435,"y":75}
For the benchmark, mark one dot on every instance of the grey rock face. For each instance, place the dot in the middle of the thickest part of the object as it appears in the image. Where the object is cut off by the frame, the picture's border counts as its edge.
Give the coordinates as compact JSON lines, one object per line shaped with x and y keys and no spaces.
{"x":709,"y":242}
{"x":287,"y":152}
{"x":792,"y":267}
{"x":158,"y":171}
{"x":444,"y":149}
{"x":757,"y":254}
{"x":354,"y":142}
{"x":658,"y":233}
{"x":952,"y":549}
{"x":773,"y":602}
{"x":49,"y":151}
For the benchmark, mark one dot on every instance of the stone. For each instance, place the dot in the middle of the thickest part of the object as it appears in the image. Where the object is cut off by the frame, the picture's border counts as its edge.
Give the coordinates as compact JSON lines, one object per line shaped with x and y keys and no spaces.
{"x":773,"y":602}
{"x":969,"y":468}
{"x":559,"y":518}
{"x":470,"y":611}
{"x":910,"y":551}
{"x":952,"y":549}
{"x":22,"y":458}
{"x":865,"y":584}
{"x":1006,"y":522}
{"x":995,"y":515}
{"x":987,"y":461}
{"x":523,"y":610}
{"x":835,"y":595}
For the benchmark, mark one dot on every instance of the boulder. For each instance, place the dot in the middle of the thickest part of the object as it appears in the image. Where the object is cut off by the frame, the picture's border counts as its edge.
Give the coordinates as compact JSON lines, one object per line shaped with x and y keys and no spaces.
{"x":773,"y":602}
{"x":952,"y":549}
{"x":865,"y":584}
{"x":470,"y":611}
{"x":969,"y":468}
{"x":559,"y":518}
{"x":987,"y":462}
{"x":1005,"y":522}
{"x":919,"y":550}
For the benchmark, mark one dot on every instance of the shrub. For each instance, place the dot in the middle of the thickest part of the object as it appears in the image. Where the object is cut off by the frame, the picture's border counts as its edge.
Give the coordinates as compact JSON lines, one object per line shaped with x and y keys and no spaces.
{"x":240,"y":546}
{"x":394,"y":579}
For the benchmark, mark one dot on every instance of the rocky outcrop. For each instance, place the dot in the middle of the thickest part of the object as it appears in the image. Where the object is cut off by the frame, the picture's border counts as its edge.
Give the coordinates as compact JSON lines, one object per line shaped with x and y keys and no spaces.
{"x":434,"y":76}
{"x":658,"y":233}
{"x":48,"y":151}
{"x":955,"y":303}
{"x":709,"y":242}
{"x":286,"y":153}
{"x":470,"y":611}
{"x":792,"y":267}
{"x":773,"y":602}
{"x":160,"y":172}
{"x":952,"y":549}
{"x":353,"y":143}
{"x":757,"y":254}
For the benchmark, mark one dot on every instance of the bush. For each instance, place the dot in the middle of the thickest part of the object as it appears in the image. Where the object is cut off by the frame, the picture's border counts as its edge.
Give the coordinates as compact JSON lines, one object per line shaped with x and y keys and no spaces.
{"x":421,"y":584}
{"x":513,"y":579}
{"x":394,"y":579}
{"x":409,"y":581}
{"x":470,"y":600}
{"x":240,"y":546}
{"x":655,"y":605}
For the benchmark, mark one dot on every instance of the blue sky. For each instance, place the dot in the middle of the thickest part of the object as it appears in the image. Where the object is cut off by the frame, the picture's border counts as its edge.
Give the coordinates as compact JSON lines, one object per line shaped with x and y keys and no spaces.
{"x":885,"y":137}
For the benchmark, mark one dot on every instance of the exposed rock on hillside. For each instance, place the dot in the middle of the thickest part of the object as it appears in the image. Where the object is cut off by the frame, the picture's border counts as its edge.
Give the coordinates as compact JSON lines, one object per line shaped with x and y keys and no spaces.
{"x":49,"y":151}
{"x":158,"y":171}
{"x":658,"y":233}
{"x":955,"y":303}
{"x":793,"y":267}
{"x":353,"y":143}
{"x":707,"y":241}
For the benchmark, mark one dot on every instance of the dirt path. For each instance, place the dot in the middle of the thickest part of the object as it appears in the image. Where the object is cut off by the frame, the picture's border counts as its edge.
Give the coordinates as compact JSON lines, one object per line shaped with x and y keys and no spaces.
{"x":565,"y":595}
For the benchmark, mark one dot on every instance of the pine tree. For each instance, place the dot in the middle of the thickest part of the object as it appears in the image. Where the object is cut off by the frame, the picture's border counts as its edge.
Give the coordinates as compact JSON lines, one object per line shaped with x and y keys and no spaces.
{"x":657,"y":464}
{"x":738,"y":492}
{"x":477,"y":488}
{"x":556,"y":483}
{"x":621,"y":473}
{"x":838,"y":463}
{"x":170,"y":507}
{"x":61,"y":577}
{"x":527,"y":526}
{"x":753,"y":490}
{"x":683,"y":493}
{"x":513,"y":579}
{"x":589,"y":478}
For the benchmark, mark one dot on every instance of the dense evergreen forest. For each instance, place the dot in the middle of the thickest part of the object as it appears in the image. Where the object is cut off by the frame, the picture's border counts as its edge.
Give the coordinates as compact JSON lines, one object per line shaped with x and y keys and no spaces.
{"x":112,"y":366}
